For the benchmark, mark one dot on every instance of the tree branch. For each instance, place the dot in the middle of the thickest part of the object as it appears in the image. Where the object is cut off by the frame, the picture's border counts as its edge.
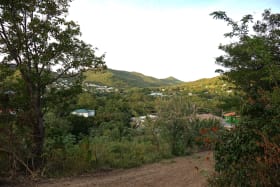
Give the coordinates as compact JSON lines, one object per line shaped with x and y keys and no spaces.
{"x":19,"y":160}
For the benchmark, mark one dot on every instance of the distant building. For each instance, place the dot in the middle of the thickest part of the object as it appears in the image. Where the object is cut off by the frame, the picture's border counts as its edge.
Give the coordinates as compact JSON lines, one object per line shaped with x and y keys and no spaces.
{"x":99,"y":88}
{"x":10,"y":92}
{"x":156,"y":94}
{"x":231,"y":118}
{"x":139,"y":122}
{"x":84,"y":113}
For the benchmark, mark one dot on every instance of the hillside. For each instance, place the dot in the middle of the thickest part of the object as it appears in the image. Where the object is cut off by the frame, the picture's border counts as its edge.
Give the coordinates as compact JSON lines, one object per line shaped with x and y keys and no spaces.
{"x":206,"y":84}
{"x":212,"y":85}
{"x":117,"y":78}
{"x":125,"y":79}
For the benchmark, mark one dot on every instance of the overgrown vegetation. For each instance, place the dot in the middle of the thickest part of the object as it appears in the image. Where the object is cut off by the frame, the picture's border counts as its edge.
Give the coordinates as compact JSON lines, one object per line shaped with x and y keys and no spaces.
{"x":133,"y":123}
{"x":113,"y":141}
{"x":249,"y":155}
{"x":110,"y":139}
{"x":35,"y":39}
{"x":124,"y":79}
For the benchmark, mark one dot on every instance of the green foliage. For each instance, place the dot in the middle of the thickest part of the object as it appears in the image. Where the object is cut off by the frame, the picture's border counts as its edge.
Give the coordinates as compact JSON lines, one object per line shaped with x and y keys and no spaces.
{"x":80,"y":126}
{"x":214,"y":95}
{"x":14,"y":124}
{"x":140,"y":102}
{"x":174,"y":114}
{"x":246,"y":158}
{"x":242,"y":156}
{"x":44,"y":100}
{"x":183,"y":129}
{"x":101,"y":152}
{"x":35,"y":38}
{"x":113,"y":142}
{"x":235,"y":153}
{"x":124,"y":79}
{"x":253,"y":59}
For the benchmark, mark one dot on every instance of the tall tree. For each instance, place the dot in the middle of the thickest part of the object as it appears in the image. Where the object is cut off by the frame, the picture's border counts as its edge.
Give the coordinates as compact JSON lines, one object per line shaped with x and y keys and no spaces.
{"x":253,"y":60}
{"x":45,"y":47}
{"x":249,"y":155}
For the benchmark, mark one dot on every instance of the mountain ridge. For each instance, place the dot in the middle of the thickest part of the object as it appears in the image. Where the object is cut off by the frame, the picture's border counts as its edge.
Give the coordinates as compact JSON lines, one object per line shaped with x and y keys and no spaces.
{"x":121,"y":78}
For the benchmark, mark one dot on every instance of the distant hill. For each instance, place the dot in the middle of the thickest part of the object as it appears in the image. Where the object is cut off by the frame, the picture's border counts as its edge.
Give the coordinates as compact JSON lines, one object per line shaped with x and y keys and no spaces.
{"x":117,"y":78}
{"x":211,"y":85}
{"x":214,"y":81}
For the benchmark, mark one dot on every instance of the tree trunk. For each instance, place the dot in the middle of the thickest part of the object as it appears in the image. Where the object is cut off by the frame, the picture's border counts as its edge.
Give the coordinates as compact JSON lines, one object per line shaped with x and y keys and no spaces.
{"x":38,"y":141}
{"x":38,"y":131}
{"x":36,"y":118}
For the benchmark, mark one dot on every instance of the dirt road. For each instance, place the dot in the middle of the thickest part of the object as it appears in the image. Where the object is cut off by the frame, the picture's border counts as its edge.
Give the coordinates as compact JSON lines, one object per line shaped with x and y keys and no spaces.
{"x":184,"y":171}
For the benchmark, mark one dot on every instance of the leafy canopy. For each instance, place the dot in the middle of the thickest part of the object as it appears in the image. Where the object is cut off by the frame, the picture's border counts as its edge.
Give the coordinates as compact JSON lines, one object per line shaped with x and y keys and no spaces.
{"x":39,"y":42}
{"x":253,"y":60}
{"x":249,"y":155}
{"x":37,"y":37}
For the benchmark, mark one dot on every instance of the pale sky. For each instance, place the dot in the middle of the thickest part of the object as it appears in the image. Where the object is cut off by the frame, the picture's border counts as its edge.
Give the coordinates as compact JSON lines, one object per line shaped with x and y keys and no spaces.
{"x":161,"y":38}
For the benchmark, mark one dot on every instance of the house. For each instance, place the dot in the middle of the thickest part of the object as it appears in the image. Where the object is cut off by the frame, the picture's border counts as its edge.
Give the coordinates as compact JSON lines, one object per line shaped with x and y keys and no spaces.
{"x":156,"y":94}
{"x":139,"y":122}
{"x":10,"y":92}
{"x":231,"y":118}
{"x":99,"y":88}
{"x":84,"y":113}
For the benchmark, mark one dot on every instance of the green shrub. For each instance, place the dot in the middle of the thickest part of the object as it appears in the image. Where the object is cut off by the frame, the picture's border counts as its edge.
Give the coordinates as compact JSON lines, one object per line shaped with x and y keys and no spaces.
{"x":246,"y":157}
{"x":101,"y":152}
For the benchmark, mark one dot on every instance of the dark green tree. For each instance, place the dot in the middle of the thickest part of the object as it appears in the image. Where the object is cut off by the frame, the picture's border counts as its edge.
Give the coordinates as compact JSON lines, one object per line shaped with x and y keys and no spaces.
{"x":174,"y":115}
{"x":45,"y":47}
{"x":253,"y":60}
{"x":247,"y":156}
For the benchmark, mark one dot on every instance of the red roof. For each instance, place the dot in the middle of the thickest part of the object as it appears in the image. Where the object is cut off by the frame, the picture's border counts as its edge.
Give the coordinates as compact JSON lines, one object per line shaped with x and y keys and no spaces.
{"x":230,"y":114}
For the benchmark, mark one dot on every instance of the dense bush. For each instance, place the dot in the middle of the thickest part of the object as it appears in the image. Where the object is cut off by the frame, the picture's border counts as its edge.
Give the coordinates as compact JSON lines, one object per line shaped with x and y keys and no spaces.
{"x":184,"y":131}
{"x":101,"y":153}
{"x":74,"y":144}
{"x":247,"y":158}
{"x":114,"y":143}
{"x":249,"y":155}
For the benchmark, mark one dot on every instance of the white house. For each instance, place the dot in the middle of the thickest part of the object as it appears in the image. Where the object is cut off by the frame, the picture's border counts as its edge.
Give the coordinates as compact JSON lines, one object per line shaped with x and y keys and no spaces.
{"x":84,"y":112}
{"x":156,"y":94}
{"x":140,"y":121}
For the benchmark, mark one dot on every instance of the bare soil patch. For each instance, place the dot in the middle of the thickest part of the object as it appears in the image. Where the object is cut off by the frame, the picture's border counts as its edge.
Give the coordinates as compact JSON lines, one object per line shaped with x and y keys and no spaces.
{"x":190,"y":171}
